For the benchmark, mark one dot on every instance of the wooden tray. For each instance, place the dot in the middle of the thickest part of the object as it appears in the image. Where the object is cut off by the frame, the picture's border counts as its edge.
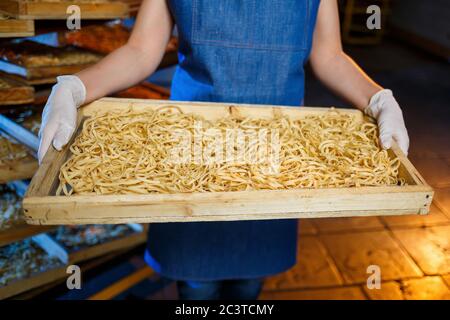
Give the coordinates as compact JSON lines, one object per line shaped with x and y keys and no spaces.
{"x":15,"y":92}
{"x":104,"y":38}
{"x":42,"y":75}
{"x":28,"y":82}
{"x":32,"y":282}
{"x":96,"y":9}
{"x":41,"y":206}
{"x":20,"y":232}
{"x":10,"y":27}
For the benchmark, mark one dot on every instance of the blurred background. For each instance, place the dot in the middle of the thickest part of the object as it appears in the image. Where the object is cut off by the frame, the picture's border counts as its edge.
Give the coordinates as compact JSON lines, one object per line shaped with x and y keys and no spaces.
{"x":409,"y":55}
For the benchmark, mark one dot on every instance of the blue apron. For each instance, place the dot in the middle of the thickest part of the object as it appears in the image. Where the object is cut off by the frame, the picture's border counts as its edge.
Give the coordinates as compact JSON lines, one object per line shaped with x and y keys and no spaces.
{"x":238,"y":51}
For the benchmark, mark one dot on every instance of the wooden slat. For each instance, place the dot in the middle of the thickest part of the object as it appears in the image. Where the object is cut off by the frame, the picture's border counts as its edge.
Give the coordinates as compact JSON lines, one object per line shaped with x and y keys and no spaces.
{"x":18,"y":169}
{"x":124,"y":284}
{"x":28,"y":82}
{"x":32,"y":282}
{"x":15,"y":60}
{"x":232,"y":206}
{"x":19,"y":232}
{"x":23,"y":9}
{"x":42,"y":207}
{"x":17,"y":92}
{"x":10,"y":27}
{"x":85,"y":266}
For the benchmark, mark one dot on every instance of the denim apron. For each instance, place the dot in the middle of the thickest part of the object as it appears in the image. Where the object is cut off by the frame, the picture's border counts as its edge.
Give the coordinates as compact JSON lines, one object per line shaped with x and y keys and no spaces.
{"x":238,"y":51}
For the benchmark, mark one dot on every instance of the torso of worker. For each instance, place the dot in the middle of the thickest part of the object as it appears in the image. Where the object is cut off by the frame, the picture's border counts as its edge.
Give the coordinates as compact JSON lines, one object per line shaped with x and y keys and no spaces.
{"x":237,"y":51}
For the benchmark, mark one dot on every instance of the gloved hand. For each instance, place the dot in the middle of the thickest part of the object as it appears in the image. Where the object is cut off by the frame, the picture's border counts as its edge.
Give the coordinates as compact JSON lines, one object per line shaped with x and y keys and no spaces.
{"x":60,"y":113}
{"x":385,"y":109}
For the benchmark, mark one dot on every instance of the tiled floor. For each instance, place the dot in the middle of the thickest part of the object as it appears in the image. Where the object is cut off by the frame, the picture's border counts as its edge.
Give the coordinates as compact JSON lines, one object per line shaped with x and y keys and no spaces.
{"x":413,"y":252}
{"x":315,"y":268}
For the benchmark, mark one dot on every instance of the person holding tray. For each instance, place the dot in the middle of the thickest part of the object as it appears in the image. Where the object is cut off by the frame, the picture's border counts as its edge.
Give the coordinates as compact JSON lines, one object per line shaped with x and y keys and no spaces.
{"x":237,"y":51}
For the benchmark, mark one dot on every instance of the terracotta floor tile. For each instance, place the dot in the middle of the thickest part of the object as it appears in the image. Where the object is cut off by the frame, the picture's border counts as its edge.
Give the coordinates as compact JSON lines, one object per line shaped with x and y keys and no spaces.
{"x":430,"y":247}
{"x":389,"y":291}
{"x":442,"y":200}
{"x":326,"y":225}
{"x":435,"y":217}
{"x":314,"y":268}
{"x":306,"y":227}
{"x":435,"y":170}
{"x":427,"y":288}
{"x":354,"y":252}
{"x":339,"y":293}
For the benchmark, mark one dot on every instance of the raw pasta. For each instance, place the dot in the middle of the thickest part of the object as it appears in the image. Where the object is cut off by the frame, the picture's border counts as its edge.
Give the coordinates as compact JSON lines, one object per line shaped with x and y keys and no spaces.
{"x":126,"y":153}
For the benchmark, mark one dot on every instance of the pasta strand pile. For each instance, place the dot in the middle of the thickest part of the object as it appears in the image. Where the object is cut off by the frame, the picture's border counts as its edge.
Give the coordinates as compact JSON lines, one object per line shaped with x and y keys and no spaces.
{"x":126,"y":153}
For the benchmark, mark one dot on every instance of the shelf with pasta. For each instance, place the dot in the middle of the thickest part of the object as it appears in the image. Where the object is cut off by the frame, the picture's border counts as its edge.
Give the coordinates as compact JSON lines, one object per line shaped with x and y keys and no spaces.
{"x":104,"y":38}
{"x":12,"y":222}
{"x":90,"y":241}
{"x":17,"y":162}
{"x":119,"y":167}
{"x":36,"y":63}
{"x":28,"y":264}
{"x":14,"y":92}
{"x":43,"y":258}
{"x":57,"y":9}
{"x":10,"y":27}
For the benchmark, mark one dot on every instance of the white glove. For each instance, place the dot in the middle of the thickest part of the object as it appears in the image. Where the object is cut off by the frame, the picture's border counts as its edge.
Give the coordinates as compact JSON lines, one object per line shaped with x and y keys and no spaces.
{"x":385,"y":109}
{"x":60,"y":113}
